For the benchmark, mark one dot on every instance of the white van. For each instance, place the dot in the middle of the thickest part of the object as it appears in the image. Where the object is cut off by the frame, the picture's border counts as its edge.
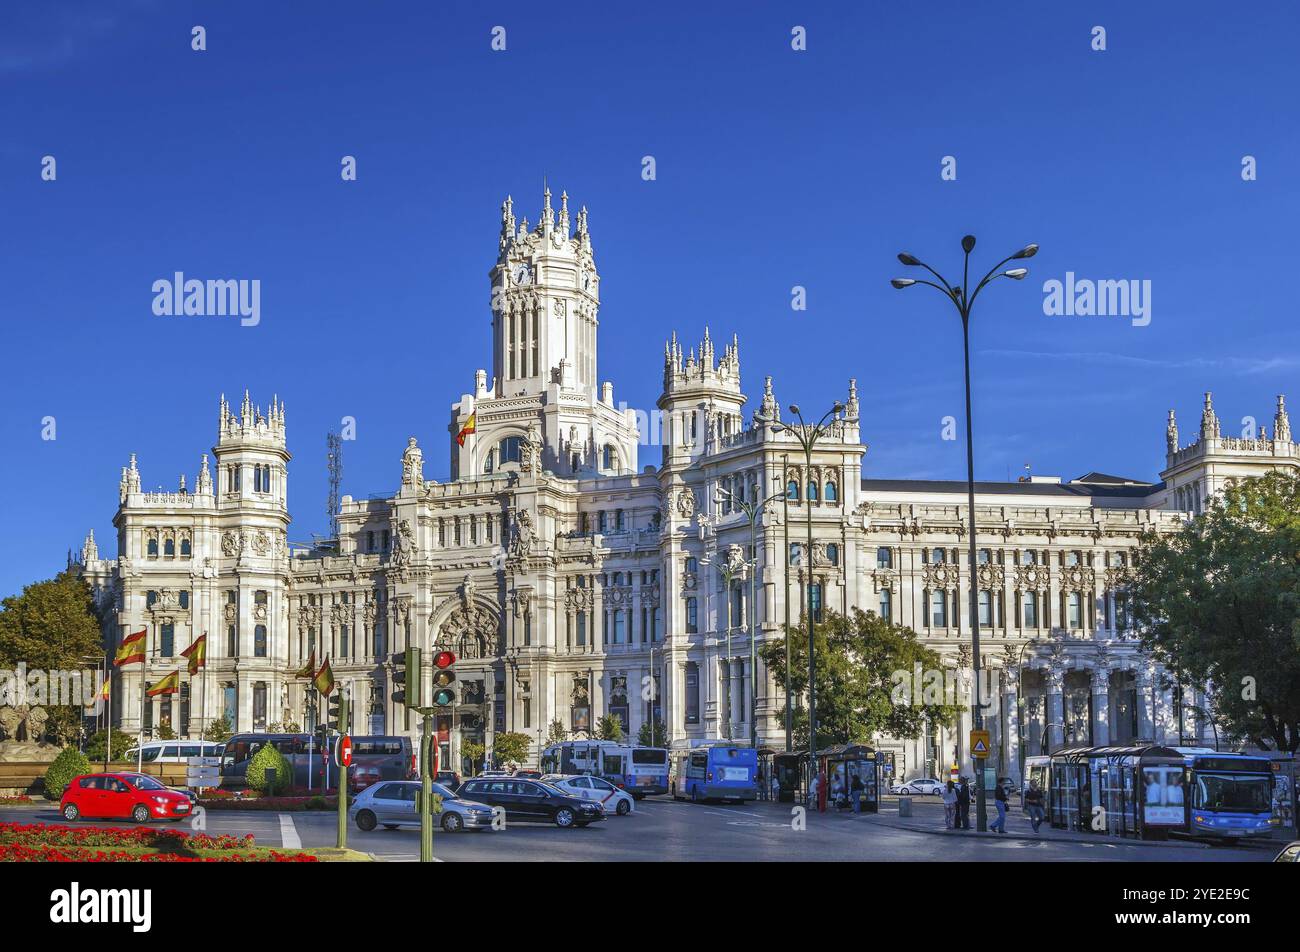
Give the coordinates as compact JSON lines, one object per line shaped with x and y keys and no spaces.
{"x":173,"y":751}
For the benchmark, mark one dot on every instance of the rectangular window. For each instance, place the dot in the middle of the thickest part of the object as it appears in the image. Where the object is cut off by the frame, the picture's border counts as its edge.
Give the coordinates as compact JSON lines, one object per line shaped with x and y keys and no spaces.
{"x":229,"y":704}
{"x":693,"y":693}
{"x":582,"y":629}
{"x":938,"y":609}
{"x":1030,"y":601}
{"x":986,"y":608}
{"x":815,"y":599}
{"x":1075,"y":608}
{"x":259,"y":706}
{"x":259,"y":641}
{"x":692,"y":617}
{"x":886,"y":605}
{"x":167,"y":643}
{"x":232,"y":641}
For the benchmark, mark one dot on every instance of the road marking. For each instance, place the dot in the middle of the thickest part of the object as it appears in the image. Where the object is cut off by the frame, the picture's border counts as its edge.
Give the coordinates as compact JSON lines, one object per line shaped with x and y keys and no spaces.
{"x":289,"y":838}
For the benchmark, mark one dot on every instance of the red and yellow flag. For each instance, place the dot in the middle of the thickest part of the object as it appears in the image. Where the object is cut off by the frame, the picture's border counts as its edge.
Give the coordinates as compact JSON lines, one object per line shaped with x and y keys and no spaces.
{"x":308,"y":670}
{"x":101,"y":694}
{"x":130,"y":650}
{"x":467,"y":428}
{"x":168,"y":685}
{"x":325,"y":678}
{"x":197,"y":653}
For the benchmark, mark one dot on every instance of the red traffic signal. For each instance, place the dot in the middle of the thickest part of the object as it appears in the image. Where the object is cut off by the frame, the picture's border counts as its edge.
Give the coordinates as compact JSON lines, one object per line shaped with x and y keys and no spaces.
{"x":444,"y":677}
{"x":444,"y":659}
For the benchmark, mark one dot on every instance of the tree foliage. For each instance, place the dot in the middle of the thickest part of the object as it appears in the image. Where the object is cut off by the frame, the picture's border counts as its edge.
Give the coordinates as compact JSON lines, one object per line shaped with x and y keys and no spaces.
{"x":69,"y":764}
{"x":218,"y":730}
{"x":268,"y":757}
{"x":52,"y":626}
{"x":1218,"y":603}
{"x":511,"y":747}
{"x":656,"y":736}
{"x":473,"y":752}
{"x":857,"y":657}
{"x":609,"y":727}
{"x":555,"y":733}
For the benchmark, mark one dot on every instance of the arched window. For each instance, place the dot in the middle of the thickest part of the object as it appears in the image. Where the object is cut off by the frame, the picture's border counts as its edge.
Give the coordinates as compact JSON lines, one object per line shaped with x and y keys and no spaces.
{"x":609,"y":458}
{"x":832,"y":494}
{"x":510,"y":450}
{"x":169,"y":547}
{"x":813,"y":494}
{"x":884,"y":558}
{"x":151,"y":548}
{"x":185,"y":547}
{"x":792,"y":490}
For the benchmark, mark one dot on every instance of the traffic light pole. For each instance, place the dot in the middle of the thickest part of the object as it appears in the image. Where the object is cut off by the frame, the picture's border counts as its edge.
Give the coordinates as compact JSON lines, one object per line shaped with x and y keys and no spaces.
{"x":426,"y":786}
{"x":344,"y":710}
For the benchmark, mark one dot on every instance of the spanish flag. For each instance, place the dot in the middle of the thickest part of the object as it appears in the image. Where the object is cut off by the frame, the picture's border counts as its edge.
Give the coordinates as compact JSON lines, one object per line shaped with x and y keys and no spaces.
{"x":467,"y":429}
{"x":197,"y":653}
{"x":130,"y":650}
{"x":308,"y":670}
{"x":325,"y":679}
{"x":101,"y":695}
{"x":168,"y":685}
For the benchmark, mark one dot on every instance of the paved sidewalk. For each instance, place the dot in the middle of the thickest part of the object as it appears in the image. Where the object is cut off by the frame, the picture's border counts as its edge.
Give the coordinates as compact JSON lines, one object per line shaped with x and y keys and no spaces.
{"x":928,"y":818}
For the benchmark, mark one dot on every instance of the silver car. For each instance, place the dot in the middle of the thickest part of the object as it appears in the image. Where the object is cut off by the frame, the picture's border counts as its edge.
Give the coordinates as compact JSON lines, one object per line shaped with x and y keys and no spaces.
{"x":392,"y":804}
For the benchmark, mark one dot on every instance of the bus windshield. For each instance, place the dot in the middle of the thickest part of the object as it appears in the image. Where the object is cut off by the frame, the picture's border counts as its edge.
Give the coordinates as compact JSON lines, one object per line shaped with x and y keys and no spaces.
{"x":1233,"y":792}
{"x":649,"y":755}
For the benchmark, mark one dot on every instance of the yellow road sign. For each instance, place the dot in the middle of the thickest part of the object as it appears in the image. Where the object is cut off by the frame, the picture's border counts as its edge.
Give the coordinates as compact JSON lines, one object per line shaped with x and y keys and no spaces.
{"x":979,"y":744}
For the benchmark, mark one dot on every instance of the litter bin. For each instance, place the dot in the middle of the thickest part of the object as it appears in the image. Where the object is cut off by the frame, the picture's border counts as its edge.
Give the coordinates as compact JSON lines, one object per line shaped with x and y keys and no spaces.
{"x":904,"y":806}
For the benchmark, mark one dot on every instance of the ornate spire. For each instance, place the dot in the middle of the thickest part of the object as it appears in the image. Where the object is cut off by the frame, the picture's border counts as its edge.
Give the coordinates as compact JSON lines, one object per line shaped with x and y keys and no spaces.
{"x":1171,"y":434}
{"x":89,"y":550}
{"x":130,"y":482}
{"x":203,"y":485}
{"x":769,"y":410}
{"x":548,"y":216}
{"x":582,"y":221}
{"x":1209,"y":420}
{"x":851,"y":407}
{"x":1281,"y":422}
{"x":564,"y":214}
{"x":182,"y":489}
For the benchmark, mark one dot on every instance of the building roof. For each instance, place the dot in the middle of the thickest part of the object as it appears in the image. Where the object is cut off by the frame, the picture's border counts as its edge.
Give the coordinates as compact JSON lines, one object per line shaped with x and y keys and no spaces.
{"x":958,"y":486}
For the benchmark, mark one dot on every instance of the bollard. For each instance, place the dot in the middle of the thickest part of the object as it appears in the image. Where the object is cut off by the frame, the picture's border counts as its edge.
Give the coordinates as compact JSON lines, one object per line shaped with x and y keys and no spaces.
{"x":904,"y":806}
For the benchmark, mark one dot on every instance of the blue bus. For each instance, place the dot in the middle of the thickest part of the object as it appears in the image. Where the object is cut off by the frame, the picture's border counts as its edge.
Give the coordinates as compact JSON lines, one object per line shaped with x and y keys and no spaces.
{"x":1228,"y":795}
{"x":641,"y":771}
{"x":716,"y":772}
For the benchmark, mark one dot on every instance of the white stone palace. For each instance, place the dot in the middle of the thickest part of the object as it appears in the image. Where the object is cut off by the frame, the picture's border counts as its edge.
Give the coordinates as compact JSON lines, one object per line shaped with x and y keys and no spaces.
{"x":574,"y":583}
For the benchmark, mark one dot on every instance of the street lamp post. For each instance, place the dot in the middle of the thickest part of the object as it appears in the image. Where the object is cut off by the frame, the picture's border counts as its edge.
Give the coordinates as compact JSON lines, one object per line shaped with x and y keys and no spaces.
{"x":964,"y":299}
{"x":752,"y":510}
{"x":807,"y":436}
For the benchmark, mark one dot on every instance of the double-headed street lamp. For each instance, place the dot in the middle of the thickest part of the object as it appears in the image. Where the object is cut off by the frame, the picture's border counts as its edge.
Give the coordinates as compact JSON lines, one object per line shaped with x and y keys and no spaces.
{"x":807,"y":436}
{"x":964,"y":299}
{"x":752,"y":508}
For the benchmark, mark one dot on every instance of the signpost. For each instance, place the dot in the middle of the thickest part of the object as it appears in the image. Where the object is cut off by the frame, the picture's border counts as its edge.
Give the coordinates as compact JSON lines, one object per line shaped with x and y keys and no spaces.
{"x":979,"y":744}
{"x":201,"y":772}
{"x":343,"y":751}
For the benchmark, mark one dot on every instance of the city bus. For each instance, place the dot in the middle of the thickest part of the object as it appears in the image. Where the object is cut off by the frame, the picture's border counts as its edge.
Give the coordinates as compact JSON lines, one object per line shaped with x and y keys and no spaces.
{"x":641,"y":771}
{"x":576,"y":756}
{"x":722,"y":771}
{"x":1229,"y":795}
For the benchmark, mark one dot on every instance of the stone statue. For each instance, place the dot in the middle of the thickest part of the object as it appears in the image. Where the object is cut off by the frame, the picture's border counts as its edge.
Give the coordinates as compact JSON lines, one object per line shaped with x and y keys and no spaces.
{"x":412,"y":464}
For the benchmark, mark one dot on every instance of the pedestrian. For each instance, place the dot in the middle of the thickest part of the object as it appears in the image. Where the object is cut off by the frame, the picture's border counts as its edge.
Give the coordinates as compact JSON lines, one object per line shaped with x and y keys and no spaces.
{"x":855,"y":793}
{"x":949,"y":804}
{"x":963,"y":804}
{"x":1000,"y":801}
{"x":814,"y":787}
{"x":1034,"y":804}
{"x":776,"y":787}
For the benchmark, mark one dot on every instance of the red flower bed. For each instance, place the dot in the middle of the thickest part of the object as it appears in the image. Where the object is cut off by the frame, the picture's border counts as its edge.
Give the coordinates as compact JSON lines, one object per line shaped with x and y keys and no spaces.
{"x":47,"y":835}
{"x":10,"y":801}
{"x":14,"y":853}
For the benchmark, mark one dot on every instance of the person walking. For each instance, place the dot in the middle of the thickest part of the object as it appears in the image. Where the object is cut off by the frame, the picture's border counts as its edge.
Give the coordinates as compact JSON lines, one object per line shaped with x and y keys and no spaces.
{"x":1000,"y":801}
{"x":949,"y":804}
{"x":814,"y":788}
{"x":1034,"y":804}
{"x":963,"y":804}
{"x":855,"y":793}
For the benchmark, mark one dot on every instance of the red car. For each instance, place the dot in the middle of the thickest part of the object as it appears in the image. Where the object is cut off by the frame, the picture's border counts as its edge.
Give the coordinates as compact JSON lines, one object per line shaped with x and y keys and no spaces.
{"x":121,"y":796}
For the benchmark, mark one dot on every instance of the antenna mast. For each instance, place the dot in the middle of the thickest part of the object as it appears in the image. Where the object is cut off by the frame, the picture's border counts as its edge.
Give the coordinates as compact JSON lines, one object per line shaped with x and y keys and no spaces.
{"x":334,"y":456}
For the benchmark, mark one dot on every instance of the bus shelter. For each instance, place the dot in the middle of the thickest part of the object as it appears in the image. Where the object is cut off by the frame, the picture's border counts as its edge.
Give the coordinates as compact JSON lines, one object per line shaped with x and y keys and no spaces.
{"x":1118,"y":791}
{"x":841,"y":764}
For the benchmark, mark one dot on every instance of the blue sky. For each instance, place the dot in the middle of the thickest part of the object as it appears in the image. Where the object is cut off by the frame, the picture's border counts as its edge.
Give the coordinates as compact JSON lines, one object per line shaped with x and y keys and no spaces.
{"x":775,"y":168}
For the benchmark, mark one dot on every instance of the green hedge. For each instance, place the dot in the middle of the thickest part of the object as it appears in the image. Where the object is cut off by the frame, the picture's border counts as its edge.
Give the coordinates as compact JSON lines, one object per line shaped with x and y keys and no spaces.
{"x":70,"y":763}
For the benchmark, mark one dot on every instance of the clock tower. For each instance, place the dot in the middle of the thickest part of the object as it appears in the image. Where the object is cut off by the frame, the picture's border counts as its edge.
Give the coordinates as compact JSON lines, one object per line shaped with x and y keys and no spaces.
{"x":545,"y":295}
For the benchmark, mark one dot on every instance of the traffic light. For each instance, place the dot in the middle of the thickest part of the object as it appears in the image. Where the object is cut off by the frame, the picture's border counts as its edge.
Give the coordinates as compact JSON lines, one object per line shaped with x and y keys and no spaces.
{"x":444,"y":676}
{"x":406,"y":677}
{"x":332,"y":705}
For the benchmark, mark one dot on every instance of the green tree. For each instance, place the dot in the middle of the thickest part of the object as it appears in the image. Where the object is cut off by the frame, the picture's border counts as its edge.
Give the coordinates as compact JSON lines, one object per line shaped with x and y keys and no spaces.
{"x":1218,"y":604}
{"x":52,"y":626}
{"x":474,"y":752}
{"x":555,"y":733}
{"x":656,"y":736}
{"x":166,"y":732}
{"x":268,"y":757}
{"x":97,"y":745}
{"x":217,"y":730}
{"x":511,"y":747}
{"x":70,"y":763}
{"x":609,"y":727}
{"x":861,"y":659}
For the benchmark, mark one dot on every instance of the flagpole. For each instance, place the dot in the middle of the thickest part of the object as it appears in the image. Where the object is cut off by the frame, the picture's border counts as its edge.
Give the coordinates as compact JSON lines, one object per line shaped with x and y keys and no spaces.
{"x":144,"y":677}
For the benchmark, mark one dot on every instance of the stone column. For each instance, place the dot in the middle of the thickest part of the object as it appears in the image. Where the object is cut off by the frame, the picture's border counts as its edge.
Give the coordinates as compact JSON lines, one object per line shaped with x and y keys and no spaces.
{"x":1146,"y":713}
{"x":1011,"y":718}
{"x":1101,"y":707}
{"x":1054,"y":679}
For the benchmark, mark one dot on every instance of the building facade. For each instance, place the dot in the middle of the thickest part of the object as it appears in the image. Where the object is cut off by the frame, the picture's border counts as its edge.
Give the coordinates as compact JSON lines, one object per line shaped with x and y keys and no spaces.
{"x":573,"y":583}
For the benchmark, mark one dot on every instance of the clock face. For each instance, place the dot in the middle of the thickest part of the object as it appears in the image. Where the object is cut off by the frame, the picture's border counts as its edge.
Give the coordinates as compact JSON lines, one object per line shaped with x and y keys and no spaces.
{"x":521,"y":274}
